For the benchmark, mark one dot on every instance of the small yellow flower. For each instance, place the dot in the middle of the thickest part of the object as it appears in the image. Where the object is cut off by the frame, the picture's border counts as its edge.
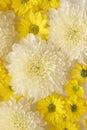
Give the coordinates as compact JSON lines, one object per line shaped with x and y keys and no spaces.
{"x":52,"y":107}
{"x":47,"y":4}
{"x":36,"y":23}
{"x":22,"y":7}
{"x":75,"y":108}
{"x":5,"y":90}
{"x":5,"y":4}
{"x":80,"y":73}
{"x":66,"y":125}
{"x":73,"y":88}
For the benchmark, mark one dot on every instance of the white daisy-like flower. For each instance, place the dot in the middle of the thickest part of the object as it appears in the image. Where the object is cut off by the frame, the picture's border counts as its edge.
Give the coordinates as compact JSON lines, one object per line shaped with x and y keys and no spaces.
{"x":8,"y":35}
{"x":18,"y":116}
{"x":68,"y":29}
{"x":37,"y":69}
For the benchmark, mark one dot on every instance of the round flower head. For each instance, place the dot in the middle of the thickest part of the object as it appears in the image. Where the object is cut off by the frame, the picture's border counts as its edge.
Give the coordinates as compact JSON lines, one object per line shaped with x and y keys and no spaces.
{"x":52,"y":107}
{"x":18,"y":116}
{"x":69,"y":23}
{"x":7,"y":33}
{"x":35,"y":23}
{"x":73,"y":88}
{"x":75,"y":108}
{"x":80,"y":73}
{"x":36,"y":68}
{"x":5,"y":91}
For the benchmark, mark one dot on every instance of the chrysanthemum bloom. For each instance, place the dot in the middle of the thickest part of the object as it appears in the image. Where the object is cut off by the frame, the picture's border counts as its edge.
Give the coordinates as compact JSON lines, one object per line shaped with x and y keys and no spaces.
{"x":8,"y":34}
{"x":22,"y":7}
{"x":68,"y":29}
{"x":5,"y":91}
{"x":75,"y":108}
{"x":36,"y":68}
{"x":18,"y":116}
{"x":35,"y":23}
{"x":52,"y":107}
{"x":73,"y":88}
{"x":66,"y":126}
{"x":80,"y":73}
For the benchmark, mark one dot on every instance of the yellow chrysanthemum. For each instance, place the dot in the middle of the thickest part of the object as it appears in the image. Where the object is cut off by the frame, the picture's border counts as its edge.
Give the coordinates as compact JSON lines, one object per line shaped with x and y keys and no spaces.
{"x":5,"y":4}
{"x":73,"y":88}
{"x":52,"y":108}
{"x":66,"y":126}
{"x":21,"y":7}
{"x":5,"y":91}
{"x":75,"y":108}
{"x":80,"y":73}
{"x":47,"y":4}
{"x":35,"y":23}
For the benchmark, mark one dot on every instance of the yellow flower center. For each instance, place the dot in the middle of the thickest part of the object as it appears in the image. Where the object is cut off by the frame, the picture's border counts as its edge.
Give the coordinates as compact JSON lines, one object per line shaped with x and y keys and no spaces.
{"x":36,"y":68}
{"x":51,"y":108}
{"x":34,"y":29}
{"x":72,"y":34}
{"x":73,"y":108}
{"x":24,"y":1}
{"x":84,"y":73}
{"x":75,"y":88}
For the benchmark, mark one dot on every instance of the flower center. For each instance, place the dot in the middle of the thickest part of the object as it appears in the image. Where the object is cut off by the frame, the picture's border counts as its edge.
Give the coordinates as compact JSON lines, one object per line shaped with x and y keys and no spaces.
{"x":51,"y":108}
{"x":34,"y":29}
{"x":75,"y":88}
{"x":73,"y":108}
{"x":72,"y":34}
{"x":36,"y":68}
{"x":84,"y":73}
{"x":24,"y":1}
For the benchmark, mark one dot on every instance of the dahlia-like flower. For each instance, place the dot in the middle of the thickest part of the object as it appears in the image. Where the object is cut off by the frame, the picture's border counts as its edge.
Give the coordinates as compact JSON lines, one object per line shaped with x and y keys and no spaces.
{"x":36,"y":68}
{"x":18,"y":116}
{"x":68,"y":29}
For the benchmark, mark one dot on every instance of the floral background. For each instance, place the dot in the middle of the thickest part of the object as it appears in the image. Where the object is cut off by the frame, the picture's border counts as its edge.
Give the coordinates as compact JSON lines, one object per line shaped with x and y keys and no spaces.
{"x":43,"y":65}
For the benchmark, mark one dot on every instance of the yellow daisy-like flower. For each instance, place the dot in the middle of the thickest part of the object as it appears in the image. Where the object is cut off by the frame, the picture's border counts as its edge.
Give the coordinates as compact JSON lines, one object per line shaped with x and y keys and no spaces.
{"x":5,"y":90}
{"x":35,"y":23}
{"x":66,"y":125}
{"x":52,"y":107}
{"x":73,"y":88}
{"x":47,"y":4}
{"x":80,"y":73}
{"x":5,"y":4}
{"x":75,"y":108}
{"x":21,"y":7}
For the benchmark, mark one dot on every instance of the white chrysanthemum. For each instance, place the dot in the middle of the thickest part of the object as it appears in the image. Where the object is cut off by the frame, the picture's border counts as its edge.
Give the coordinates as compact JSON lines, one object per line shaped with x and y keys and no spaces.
{"x":36,"y":68}
{"x":68,"y":29}
{"x":8,"y":34}
{"x":18,"y":116}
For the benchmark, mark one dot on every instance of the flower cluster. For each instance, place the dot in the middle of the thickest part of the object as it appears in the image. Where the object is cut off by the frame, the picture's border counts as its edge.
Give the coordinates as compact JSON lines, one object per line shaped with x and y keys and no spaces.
{"x":43,"y":65}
